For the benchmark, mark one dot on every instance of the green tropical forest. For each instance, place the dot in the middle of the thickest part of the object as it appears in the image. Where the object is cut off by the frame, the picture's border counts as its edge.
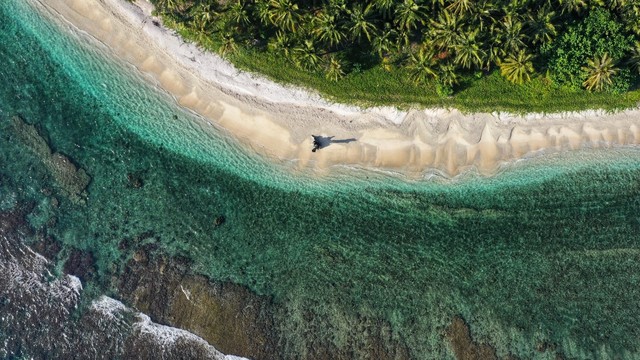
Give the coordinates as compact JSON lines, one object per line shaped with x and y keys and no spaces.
{"x":517,"y":55}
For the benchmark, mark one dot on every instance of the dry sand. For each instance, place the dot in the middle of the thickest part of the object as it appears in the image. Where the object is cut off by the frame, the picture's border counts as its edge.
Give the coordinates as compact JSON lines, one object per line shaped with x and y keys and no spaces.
{"x":278,"y":120}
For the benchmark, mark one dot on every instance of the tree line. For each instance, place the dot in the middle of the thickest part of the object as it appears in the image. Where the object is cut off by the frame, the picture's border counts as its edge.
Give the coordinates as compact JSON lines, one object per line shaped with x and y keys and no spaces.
{"x":593,"y":44}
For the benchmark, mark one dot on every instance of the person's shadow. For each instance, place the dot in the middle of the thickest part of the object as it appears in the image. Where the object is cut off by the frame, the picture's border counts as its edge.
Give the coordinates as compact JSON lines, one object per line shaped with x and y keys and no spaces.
{"x":321,"y":142}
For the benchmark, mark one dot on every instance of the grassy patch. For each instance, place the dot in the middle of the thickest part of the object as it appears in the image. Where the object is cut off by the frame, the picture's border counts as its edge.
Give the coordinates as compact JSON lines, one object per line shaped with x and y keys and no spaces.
{"x":376,"y":86}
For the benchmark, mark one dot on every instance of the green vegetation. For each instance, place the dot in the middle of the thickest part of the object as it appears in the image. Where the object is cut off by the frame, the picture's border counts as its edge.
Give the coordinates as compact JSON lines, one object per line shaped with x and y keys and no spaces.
{"x":596,"y":41}
{"x":552,"y":54}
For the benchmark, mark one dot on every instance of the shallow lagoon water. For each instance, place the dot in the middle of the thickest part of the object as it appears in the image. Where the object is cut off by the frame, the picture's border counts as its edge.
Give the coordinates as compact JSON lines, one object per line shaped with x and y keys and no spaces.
{"x":546,"y":250}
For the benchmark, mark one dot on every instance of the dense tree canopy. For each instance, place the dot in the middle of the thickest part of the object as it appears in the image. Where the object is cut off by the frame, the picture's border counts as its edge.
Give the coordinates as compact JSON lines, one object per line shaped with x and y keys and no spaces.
{"x":590,"y":43}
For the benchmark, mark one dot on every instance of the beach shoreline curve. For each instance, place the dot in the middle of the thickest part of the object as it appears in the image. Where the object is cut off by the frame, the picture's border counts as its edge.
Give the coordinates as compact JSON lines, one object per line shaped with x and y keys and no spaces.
{"x":278,"y":120}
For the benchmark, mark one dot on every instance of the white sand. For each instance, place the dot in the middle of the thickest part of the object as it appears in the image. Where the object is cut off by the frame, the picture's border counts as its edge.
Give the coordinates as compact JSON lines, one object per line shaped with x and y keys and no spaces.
{"x":278,"y":120}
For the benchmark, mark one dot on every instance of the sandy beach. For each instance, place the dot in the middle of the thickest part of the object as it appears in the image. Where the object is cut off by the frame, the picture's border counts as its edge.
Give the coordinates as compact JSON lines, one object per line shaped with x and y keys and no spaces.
{"x":278,"y":121}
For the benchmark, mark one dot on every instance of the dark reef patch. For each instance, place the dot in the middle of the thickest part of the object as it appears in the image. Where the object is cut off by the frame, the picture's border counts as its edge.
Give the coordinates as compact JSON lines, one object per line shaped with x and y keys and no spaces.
{"x":228,"y":316}
{"x":71,"y":180}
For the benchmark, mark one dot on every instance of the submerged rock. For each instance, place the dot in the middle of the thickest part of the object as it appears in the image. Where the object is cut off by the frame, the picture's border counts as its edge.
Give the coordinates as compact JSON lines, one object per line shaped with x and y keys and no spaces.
{"x":43,"y":317}
{"x":135,"y":181}
{"x":219,"y":220}
{"x":71,"y":180}
{"x":234,"y":319}
{"x":228,"y":316}
{"x":81,"y":264}
{"x":464,"y":346}
{"x":47,"y":246}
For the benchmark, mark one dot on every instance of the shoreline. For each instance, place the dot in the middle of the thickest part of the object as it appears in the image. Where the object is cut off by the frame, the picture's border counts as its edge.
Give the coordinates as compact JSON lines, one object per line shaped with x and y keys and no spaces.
{"x":278,"y":121}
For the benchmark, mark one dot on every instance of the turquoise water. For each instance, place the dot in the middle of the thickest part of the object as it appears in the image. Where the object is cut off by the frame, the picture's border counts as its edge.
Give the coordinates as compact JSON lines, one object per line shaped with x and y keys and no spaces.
{"x":548,"y":250}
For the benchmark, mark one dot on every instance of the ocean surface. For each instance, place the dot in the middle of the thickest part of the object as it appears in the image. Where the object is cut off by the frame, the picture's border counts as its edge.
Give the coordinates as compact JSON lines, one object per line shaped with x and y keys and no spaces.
{"x":546,"y":251}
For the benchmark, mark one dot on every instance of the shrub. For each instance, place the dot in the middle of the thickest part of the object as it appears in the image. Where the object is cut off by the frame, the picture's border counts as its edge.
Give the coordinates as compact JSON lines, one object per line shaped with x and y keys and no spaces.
{"x":622,"y":82}
{"x":444,"y":90}
{"x":597,"y":34}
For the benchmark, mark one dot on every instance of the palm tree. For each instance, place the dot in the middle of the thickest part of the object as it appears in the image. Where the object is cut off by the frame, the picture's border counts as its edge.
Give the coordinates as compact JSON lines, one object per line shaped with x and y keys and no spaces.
{"x":175,"y":6}
{"x":408,"y":15}
{"x":166,"y":6}
{"x":281,"y":42}
{"x":480,"y":14}
{"x":334,"y":69}
{"x":337,"y":7}
{"x":468,"y":51}
{"x":422,"y":66}
{"x":634,"y":59}
{"x":384,"y":6}
{"x":263,"y":12}
{"x":570,"y":6}
{"x":517,"y":69}
{"x":630,"y":14}
{"x":361,"y":23}
{"x":237,"y":15}
{"x":540,"y":25}
{"x":284,"y":14}
{"x":446,"y":31}
{"x":599,"y":71}
{"x":460,"y":7}
{"x":228,"y":44}
{"x":509,"y":35}
{"x":203,"y":15}
{"x":326,"y":29}
{"x":305,"y":57}
{"x":385,"y":41}
{"x":447,"y":74}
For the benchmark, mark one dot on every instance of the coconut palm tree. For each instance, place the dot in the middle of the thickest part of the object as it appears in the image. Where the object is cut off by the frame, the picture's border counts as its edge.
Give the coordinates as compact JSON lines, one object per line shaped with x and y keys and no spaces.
{"x":262,"y":12}
{"x":385,"y":42}
{"x":237,"y":14}
{"x":408,"y":14}
{"x":539,"y":25}
{"x":509,"y":35}
{"x":175,"y":6}
{"x":304,"y":55}
{"x":385,"y":7}
{"x":281,"y":43}
{"x":572,"y":6}
{"x":361,"y":23}
{"x":326,"y":29}
{"x":468,"y":52}
{"x":166,"y":6}
{"x":334,"y":69}
{"x":422,"y":66}
{"x":630,"y":14}
{"x":517,"y":68}
{"x":203,"y":16}
{"x":447,"y":74}
{"x":599,"y":71}
{"x":481,"y":14}
{"x":228,"y":44}
{"x":460,"y":7}
{"x":634,"y":59}
{"x":337,"y":7}
{"x":446,"y":30}
{"x":284,"y":14}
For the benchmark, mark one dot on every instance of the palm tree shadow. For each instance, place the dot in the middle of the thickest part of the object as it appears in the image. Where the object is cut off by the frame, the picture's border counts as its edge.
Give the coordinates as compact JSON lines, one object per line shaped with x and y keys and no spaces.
{"x":321,"y":142}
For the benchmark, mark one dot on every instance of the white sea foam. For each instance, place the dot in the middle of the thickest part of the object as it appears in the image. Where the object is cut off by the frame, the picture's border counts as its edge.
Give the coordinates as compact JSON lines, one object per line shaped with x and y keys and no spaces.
{"x":75,"y":284}
{"x":165,"y":336}
{"x":107,"y":306}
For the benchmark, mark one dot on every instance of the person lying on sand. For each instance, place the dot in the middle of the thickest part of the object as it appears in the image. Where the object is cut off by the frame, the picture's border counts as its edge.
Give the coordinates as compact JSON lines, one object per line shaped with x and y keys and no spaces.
{"x":316,"y":143}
